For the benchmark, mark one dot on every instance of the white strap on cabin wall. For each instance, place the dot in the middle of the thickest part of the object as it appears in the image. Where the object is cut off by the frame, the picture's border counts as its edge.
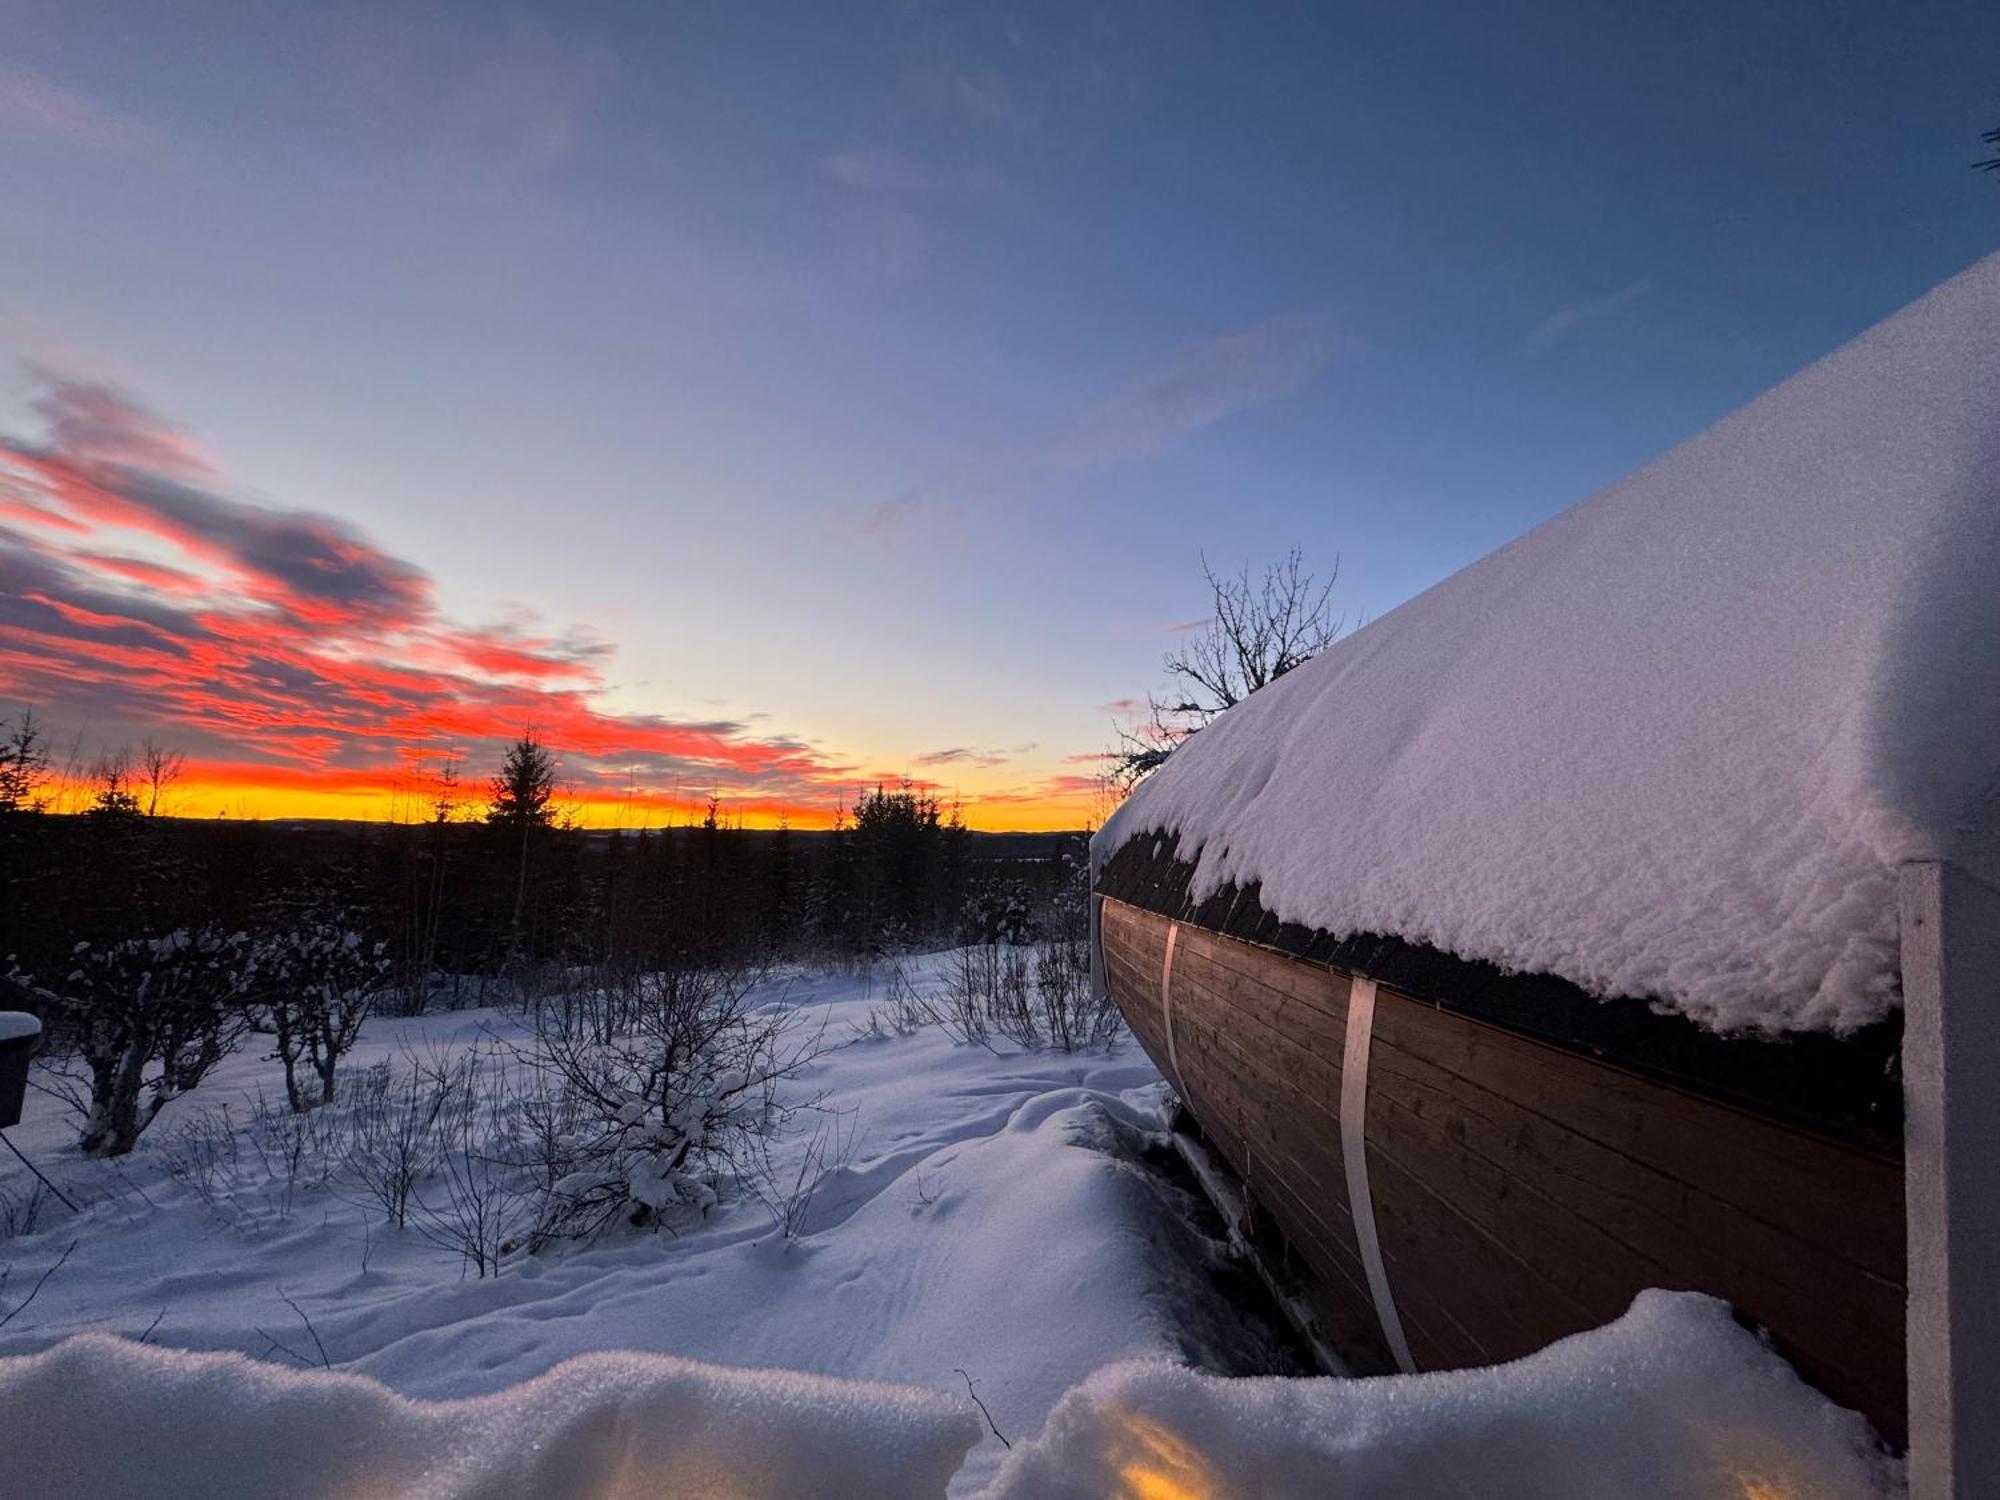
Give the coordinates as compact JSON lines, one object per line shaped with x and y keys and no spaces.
{"x":1354,"y":1154}
{"x":1167,"y":1004}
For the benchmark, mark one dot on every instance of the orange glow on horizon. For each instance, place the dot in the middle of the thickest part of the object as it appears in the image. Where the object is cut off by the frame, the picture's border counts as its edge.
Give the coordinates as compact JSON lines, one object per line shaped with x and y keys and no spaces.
{"x":274,"y":793}
{"x":303,"y":666}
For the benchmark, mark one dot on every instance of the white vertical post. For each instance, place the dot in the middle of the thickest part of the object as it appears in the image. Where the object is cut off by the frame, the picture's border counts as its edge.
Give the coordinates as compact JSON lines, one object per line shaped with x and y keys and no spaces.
{"x":1951,"y":1145}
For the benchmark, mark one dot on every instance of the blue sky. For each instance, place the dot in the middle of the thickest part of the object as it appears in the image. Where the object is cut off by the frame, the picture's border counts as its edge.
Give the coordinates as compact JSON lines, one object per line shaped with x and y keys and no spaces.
{"x":870,"y":379}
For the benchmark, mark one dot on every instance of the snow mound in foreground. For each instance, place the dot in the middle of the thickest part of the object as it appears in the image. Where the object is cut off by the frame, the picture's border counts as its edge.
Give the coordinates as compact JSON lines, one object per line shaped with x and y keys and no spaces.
{"x":100,"y":1418}
{"x":1671,"y":1402}
{"x":1674,"y":742}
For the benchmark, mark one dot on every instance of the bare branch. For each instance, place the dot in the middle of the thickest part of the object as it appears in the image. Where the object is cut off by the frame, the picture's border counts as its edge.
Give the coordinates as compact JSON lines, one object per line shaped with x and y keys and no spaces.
{"x":983,"y":1411}
{"x":1257,"y":632}
{"x":22,"y":1306}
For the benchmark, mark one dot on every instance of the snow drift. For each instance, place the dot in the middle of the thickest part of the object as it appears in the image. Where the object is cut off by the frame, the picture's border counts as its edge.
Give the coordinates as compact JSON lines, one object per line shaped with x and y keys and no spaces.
{"x":100,"y":1418}
{"x":1671,"y":1402}
{"x":1674,"y":742}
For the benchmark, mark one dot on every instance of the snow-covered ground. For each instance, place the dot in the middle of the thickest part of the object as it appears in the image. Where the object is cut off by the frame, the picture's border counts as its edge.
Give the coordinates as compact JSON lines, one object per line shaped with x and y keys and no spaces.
{"x":993,"y":1220}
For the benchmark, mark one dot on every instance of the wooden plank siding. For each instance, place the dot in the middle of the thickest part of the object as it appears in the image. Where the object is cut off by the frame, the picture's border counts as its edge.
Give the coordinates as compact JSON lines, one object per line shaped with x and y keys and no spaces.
{"x":1522,"y":1191}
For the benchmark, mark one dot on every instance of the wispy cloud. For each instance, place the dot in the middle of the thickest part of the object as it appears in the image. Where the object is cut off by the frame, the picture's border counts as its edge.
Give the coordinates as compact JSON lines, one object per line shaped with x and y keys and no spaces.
{"x":978,"y":96}
{"x":521,"y":107}
{"x":963,"y":755}
{"x":884,"y":171}
{"x":1246,"y":368}
{"x":34,"y":106}
{"x":1560,"y":324}
{"x":878,"y":169}
{"x":892,"y":202}
{"x":1190,"y":390}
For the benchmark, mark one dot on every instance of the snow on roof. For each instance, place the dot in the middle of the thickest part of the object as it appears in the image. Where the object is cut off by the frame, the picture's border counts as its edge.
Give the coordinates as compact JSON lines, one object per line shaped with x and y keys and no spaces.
{"x":1674,"y":742}
{"x":15,"y":1024}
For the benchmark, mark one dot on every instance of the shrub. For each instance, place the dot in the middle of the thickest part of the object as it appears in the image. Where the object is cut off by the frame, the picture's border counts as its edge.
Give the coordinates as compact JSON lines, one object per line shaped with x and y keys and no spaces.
{"x":144,"y":1021}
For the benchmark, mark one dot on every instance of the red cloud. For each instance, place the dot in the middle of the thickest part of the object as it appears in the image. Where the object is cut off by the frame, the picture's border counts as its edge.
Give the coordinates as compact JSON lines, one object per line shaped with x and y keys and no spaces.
{"x":290,"y":654}
{"x":291,"y":638}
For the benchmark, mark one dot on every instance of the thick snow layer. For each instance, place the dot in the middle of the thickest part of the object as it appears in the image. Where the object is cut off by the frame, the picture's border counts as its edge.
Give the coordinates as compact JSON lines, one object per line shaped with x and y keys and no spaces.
{"x":991,"y":1218}
{"x":1671,"y":1402}
{"x":1674,"y":742}
{"x":108,"y":1418}
{"x":15,"y":1024}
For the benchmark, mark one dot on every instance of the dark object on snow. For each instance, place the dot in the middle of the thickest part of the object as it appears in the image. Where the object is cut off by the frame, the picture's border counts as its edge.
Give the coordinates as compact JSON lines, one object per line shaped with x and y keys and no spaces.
{"x":19,"y":1034}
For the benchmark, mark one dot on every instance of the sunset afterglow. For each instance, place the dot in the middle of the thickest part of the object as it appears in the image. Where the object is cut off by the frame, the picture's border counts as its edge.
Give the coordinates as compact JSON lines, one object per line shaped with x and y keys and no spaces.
{"x":762,"y":429}
{"x":307,"y":673}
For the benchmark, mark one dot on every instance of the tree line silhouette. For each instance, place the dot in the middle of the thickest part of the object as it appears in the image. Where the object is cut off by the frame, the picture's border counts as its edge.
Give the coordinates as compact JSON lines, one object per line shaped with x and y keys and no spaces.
{"x":495,"y":891}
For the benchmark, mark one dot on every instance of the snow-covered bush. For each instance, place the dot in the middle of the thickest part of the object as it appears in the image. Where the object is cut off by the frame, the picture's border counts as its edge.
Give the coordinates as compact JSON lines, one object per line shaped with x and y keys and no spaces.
{"x":313,"y":986}
{"x":140,"y":1022}
{"x":664,"y":1083}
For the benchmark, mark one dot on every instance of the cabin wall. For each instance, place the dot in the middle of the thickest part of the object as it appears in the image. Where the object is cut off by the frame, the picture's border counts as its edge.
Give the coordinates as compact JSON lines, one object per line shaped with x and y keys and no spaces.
{"x":1521,"y":1191}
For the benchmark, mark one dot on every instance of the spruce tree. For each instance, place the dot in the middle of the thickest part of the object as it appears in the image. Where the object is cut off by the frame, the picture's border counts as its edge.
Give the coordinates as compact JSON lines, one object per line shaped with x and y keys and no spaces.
{"x":519,"y":801}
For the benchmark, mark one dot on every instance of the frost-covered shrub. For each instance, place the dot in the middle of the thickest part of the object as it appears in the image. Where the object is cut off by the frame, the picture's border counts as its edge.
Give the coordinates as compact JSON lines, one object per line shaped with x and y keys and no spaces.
{"x":313,"y":986}
{"x":1002,"y":912}
{"x":660,"y":1087}
{"x":140,"y":1022}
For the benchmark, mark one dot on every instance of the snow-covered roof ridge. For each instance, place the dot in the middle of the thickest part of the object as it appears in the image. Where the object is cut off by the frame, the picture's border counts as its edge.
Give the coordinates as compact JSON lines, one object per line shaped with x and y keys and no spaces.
{"x":1674,"y":742}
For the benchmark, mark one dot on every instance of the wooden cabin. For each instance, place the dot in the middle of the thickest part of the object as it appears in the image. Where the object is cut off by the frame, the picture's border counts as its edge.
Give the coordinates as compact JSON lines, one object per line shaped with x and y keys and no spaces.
{"x":1551,"y":937}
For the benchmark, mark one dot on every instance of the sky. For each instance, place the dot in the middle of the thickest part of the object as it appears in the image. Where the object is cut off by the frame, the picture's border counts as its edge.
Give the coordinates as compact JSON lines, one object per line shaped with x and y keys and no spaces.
{"x":762,"y":401}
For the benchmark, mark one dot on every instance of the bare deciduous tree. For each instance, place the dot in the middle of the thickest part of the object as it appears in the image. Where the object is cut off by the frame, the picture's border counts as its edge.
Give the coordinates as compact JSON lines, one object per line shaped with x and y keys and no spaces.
{"x":159,"y":769}
{"x":1258,"y":632}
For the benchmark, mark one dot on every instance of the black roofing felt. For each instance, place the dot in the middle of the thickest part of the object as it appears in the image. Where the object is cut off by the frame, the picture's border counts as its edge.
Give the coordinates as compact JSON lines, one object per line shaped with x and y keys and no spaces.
{"x":1847,"y":1087}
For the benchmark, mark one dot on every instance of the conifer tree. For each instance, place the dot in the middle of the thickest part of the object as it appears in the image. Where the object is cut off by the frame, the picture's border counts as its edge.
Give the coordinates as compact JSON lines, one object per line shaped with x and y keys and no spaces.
{"x":518,"y":801}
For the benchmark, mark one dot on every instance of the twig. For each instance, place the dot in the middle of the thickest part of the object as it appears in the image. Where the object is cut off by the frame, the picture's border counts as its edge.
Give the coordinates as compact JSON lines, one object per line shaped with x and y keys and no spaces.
{"x":38,"y":1174}
{"x":983,"y":1411}
{"x":324,"y":1361}
{"x":22,"y":1305}
{"x":282,"y":1348}
{"x":147,"y":1336}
